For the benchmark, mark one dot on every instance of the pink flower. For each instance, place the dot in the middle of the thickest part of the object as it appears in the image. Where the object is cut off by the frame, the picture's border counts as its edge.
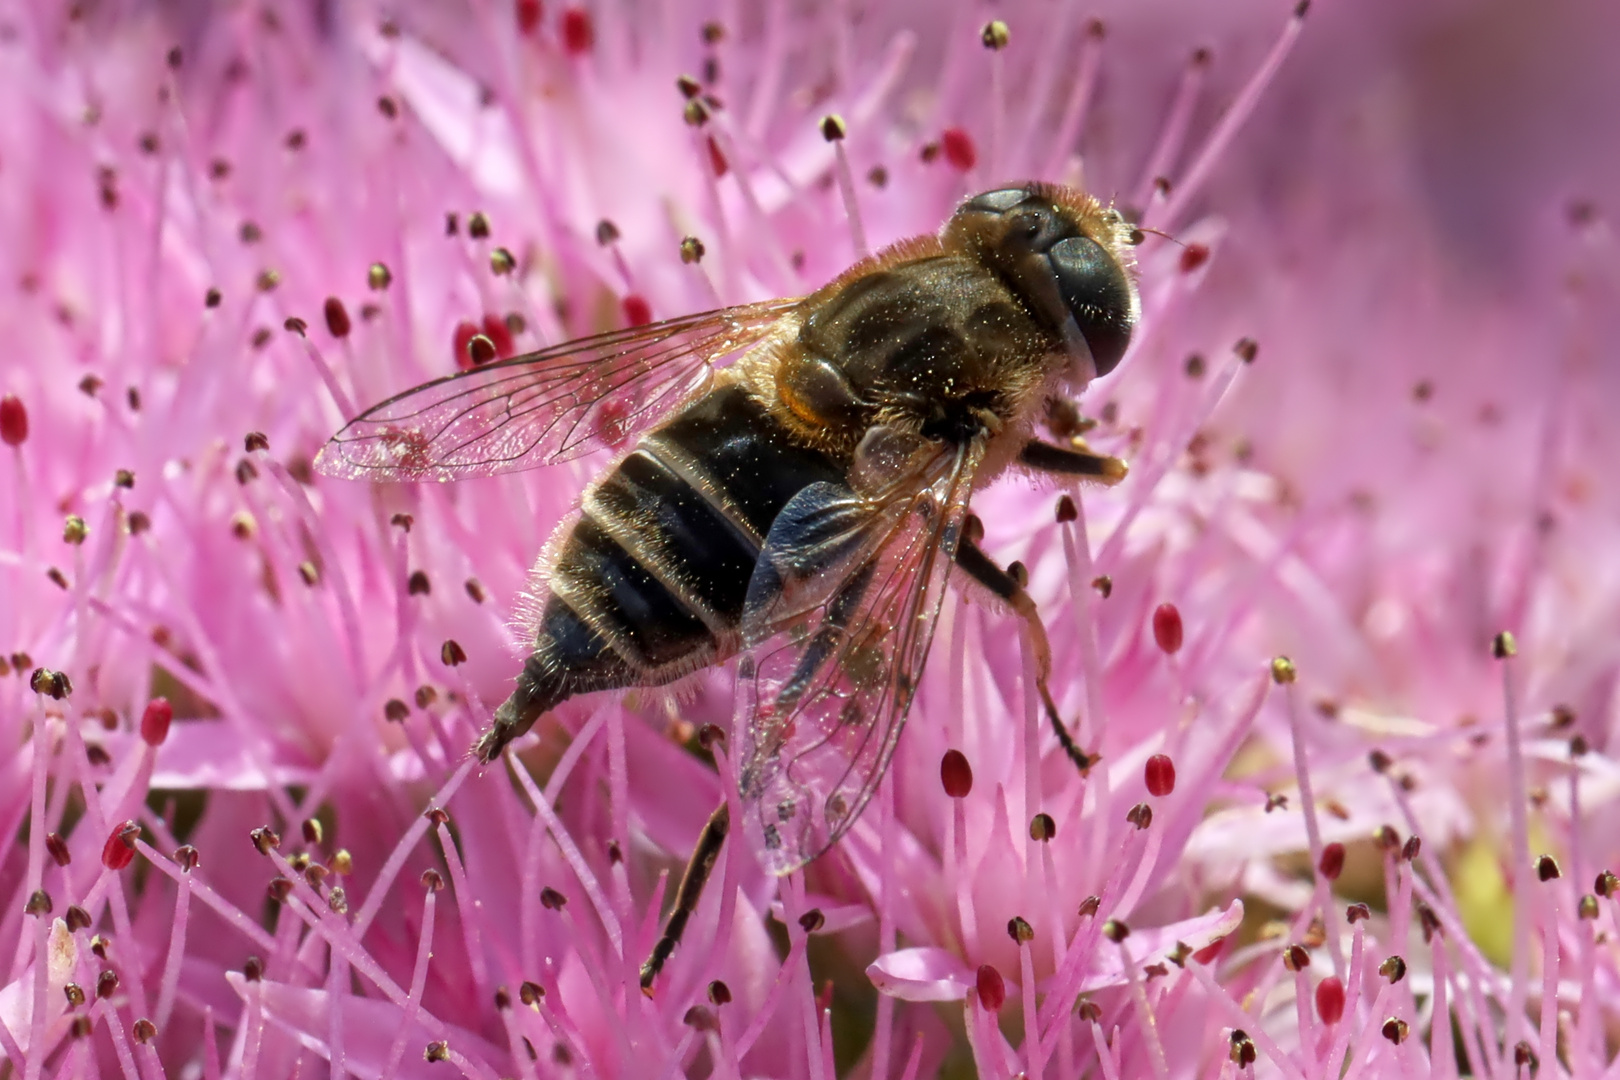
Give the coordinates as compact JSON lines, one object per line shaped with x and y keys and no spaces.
{"x":1368,"y":419}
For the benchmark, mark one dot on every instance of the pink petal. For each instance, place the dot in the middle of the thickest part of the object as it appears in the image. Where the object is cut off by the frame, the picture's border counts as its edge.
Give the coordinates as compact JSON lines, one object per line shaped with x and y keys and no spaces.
{"x":212,"y":755}
{"x":17,"y":998}
{"x":923,"y":974}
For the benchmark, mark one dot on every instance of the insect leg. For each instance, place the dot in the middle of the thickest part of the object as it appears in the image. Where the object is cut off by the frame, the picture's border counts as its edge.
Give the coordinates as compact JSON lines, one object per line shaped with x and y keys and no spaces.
{"x":1010,"y":589}
{"x":696,"y":876}
{"x":1077,"y":462}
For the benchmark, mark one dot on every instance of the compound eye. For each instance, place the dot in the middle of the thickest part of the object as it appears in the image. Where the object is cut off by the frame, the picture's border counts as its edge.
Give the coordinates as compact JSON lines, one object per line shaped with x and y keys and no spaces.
{"x":1098,"y":295}
{"x":998,"y":201}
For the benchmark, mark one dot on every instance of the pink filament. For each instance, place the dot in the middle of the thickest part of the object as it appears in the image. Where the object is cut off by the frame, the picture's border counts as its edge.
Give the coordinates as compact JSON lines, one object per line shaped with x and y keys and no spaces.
{"x":115,"y":1028}
{"x":413,"y":1000}
{"x":1173,"y":133}
{"x":852,"y":208}
{"x":42,"y":971}
{"x":1442,"y":1051}
{"x":1079,"y":102}
{"x":883,"y":1036}
{"x":786,"y":974}
{"x":1032,"y":1025}
{"x":337,"y":992}
{"x":177,"y":945}
{"x":1223,"y":1001}
{"x":1077,"y":558}
{"x":914,"y":1062}
{"x":402,"y":851}
{"x":1313,"y":828}
{"x":1232,"y":121}
{"x":1548,"y":1045}
{"x":254,"y":1032}
{"x":572,"y":856}
{"x":466,"y":903}
{"x":1144,"y":1013}
{"x":1107,"y":1056}
{"x":226,"y":910}
{"x":211,"y":1069}
{"x":1518,"y":876}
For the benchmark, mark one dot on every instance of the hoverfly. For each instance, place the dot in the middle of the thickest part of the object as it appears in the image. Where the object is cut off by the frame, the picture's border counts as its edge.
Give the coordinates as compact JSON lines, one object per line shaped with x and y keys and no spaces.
{"x":797,"y":493}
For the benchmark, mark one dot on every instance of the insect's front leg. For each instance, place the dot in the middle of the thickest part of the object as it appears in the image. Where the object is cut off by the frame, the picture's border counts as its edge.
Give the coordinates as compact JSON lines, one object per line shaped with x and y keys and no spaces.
{"x":1008,"y":586}
{"x":1078,"y":461}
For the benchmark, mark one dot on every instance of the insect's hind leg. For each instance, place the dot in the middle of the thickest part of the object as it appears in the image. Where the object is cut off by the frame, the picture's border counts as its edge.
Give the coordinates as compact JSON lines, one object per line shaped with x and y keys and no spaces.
{"x":1010,"y":589}
{"x":698,"y":869}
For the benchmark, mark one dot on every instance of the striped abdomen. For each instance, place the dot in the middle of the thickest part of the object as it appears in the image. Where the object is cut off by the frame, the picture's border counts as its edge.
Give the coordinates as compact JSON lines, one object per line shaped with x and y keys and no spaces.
{"x":650,"y":583}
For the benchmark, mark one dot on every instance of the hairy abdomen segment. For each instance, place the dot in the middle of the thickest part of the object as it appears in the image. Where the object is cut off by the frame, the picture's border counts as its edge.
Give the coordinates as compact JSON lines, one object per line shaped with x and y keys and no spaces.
{"x":650,"y":582}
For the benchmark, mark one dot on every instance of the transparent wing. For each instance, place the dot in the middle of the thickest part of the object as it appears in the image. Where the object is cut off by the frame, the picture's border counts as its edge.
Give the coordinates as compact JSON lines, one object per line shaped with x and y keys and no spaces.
{"x":839,"y":618}
{"x":547,"y":406}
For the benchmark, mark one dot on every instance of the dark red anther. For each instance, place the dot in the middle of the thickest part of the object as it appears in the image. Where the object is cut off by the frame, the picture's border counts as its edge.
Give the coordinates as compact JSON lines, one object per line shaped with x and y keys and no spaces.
{"x":1160,"y":774}
{"x":464,"y":333}
{"x":578,"y":32}
{"x":529,"y":13}
{"x":13,"y":420}
{"x":637,"y":312}
{"x":1332,"y":862}
{"x":1167,"y":630}
{"x":959,"y":149}
{"x":155,"y":721}
{"x":337,"y":317}
{"x":956,"y":774}
{"x":481,"y":351}
{"x":119,"y":850}
{"x":500,"y":335}
{"x":991,"y":987}
{"x":1330,"y":1000}
{"x":1193,"y":256}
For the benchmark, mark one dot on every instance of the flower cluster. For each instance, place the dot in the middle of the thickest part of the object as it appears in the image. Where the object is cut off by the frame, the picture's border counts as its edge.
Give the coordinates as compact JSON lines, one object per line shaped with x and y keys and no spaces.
{"x":249,"y":838}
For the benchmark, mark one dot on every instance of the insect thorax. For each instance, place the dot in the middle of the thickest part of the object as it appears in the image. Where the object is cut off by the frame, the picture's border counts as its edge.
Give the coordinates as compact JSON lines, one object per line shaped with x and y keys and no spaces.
{"x":934,"y":344}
